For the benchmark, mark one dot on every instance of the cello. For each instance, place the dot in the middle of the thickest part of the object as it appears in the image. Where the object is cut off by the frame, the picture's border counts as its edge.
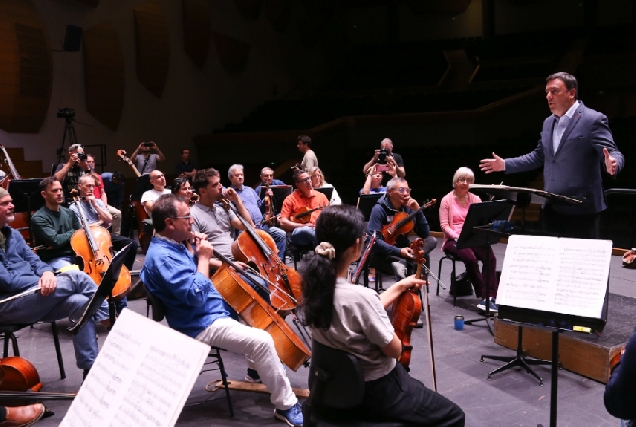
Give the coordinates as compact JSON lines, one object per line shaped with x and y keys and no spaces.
{"x":230,"y":282}
{"x":270,"y":215}
{"x":402,"y":223}
{"x":93,"y":244}
{"x":256,"y":247}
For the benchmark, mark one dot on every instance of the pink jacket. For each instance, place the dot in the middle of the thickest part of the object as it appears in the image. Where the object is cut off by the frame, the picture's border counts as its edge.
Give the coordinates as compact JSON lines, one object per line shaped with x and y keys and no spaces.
{"x":446,"y":215}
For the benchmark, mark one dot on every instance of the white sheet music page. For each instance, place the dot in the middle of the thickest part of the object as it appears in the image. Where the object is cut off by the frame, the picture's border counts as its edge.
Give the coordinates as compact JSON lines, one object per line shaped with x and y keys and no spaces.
{"x":567,"y":276}
{"x":141,"y":378}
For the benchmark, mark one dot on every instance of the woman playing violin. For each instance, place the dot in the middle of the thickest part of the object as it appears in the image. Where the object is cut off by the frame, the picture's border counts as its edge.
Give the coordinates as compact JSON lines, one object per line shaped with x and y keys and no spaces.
{"x":182,"y":188}
{"x":353,"y":318}
{"x":452,"y":214}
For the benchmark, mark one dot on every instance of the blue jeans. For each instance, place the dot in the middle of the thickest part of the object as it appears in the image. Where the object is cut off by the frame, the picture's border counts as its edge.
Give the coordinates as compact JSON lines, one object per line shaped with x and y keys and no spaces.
{"x":304,"y":236}
{"x":61,"y":262}
{"x":627,"y":423}
{"x":73,"y":290}
{"x":280,"y":238}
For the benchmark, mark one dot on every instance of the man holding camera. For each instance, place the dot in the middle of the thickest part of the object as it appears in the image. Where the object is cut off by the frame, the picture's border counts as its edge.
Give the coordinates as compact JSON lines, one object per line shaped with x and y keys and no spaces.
{"x":147,"y":155}
{"x":385,"y":158}
{"x":69,"y":173}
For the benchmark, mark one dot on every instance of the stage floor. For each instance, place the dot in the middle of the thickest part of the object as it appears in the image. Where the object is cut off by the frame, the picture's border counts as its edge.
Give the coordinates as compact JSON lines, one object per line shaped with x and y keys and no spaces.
{"x":512,"y":398}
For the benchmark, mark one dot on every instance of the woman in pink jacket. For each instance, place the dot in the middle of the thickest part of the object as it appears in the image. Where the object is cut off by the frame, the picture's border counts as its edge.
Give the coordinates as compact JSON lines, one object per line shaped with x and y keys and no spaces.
{"x":452,"y":215}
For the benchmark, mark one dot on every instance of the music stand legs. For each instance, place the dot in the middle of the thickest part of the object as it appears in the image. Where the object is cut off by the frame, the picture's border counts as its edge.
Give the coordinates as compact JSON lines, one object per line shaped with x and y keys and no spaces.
{"x":487,"y":282}
{"x":517,"y":361}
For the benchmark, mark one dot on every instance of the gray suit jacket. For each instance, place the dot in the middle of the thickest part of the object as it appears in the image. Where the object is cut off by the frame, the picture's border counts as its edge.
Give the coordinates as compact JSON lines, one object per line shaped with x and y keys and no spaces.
{"x":575,"y":169}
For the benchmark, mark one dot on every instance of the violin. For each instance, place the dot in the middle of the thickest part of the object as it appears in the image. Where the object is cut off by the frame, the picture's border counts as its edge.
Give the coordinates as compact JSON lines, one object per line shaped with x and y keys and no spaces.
{"x":363,"y":260}
{"x":256,"y":247}
{"x":270,"y":215}
{"x":407,"y":309}
{"x":402,"y":223}
{"x":304,"y":215}
{"x":193,"y":199}
{"x":93,"y":244}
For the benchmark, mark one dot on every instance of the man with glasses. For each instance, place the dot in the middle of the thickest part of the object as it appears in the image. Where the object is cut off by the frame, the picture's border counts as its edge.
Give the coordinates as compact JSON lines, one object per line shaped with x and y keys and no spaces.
{"x":69,"y":173}
{"x":397,"y":259}
{"x":303,"y":200}
{"x":100,"y":193}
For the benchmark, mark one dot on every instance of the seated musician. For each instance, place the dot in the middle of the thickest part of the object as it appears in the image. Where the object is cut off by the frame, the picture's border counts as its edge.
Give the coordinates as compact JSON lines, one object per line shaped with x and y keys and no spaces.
{"x":353,"y":318}
{"x":620,"y":392}
{"x":267,"y":178}
{"x":100,"y":193}
{"x":182,"y":188}
{"x":158,"y":181}
{"x":318,"y":181}
{"x":373,"y":181}
{"x":96,"y":213}
{"x":452,"y":214}
{"x":397,"y":259}
{"x":53,"y":225}
{"x":255,"y":207}
{"x":304,"y":198}
{"x":195,"y":308}
{"x":59,"y":296}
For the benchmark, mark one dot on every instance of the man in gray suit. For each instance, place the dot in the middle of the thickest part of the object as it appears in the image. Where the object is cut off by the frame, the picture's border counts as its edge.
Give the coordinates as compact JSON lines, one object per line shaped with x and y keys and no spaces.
{"x":576,"y":143}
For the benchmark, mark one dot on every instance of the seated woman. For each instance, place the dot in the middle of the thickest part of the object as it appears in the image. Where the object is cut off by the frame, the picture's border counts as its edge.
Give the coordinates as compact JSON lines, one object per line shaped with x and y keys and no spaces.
{"x":318,"y":180}
{"x":182,"y":188}
{"x":353,"y":318}
{"x":452,"y":215}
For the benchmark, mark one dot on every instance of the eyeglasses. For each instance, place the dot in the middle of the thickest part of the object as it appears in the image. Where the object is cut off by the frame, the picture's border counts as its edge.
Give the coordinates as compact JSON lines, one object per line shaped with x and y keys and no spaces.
{"x":181,"y":217}
{"x":308,"y":179}
{"x":466,"y":180}
{"x":403,"y":190}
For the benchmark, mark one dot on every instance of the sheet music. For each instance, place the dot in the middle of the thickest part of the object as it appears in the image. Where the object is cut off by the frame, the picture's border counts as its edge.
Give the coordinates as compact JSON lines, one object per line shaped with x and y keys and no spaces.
{"x":141,"y":378}
{"x":567,"y":276}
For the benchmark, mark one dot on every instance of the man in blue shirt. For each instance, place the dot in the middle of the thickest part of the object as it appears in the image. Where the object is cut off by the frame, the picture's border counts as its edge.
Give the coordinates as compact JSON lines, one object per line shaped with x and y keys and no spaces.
{"x":57,"y":297}
{"x":267,"y":178}
{"x":255,"y":207}
{"x":195,"y":308}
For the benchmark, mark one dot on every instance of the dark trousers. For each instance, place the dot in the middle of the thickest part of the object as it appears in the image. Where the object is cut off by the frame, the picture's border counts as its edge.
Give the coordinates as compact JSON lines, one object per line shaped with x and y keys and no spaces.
{"x":577,"y":226}
{"x":399,"y":397}
{"x":402,"y":267}
{"x":470,"y":258}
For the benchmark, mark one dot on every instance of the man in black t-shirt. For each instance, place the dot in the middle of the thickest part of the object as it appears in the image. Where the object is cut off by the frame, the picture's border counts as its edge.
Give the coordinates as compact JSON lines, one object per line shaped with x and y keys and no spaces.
{"x":69,"y":173}
{"x":185,"y":168}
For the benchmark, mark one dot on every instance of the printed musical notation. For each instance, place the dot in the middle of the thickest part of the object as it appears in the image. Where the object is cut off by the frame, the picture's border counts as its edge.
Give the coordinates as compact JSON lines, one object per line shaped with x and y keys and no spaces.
{"x":141,"y":378}
{"x":567,"y":276}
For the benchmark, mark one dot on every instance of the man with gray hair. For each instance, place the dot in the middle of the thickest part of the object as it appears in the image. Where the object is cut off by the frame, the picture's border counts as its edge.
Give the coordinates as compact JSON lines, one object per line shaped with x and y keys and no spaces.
{"x":398,"y":258}
{"x":69,"y":173}
{"x":255,"y":207}
{"x":386,"y":156}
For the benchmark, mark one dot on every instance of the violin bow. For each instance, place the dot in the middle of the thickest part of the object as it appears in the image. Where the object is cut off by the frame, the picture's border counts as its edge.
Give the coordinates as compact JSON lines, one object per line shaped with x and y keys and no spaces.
{"x":426,"y":306}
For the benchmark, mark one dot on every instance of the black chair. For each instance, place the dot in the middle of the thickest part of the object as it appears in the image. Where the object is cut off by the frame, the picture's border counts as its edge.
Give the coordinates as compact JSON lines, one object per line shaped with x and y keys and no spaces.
{"x":9,"y":330}
{"x":158,"y":313}
{"x":453,"y":274}
{"x":336,"y":386}
{"x":297,"y":252}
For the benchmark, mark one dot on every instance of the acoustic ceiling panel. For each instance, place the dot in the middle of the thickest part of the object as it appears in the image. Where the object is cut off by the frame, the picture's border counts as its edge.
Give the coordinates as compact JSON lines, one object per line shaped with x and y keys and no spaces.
{"x":197,"y":30}
{"x":104,"y":74}
{"x":152,"y":46}
{"x":232,"y":53}
{"x":25,"y":68}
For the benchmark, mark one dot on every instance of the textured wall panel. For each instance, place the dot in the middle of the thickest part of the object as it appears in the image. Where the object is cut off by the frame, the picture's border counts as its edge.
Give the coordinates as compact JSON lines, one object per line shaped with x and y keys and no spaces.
{"x":152,"y":46}
{"x":446,"y":7}
{"x":250,"y":9}
{"x":232,"y":52}
{"x":197,"y":30}
{"x":278,"y":14}
{"x":25,"y":68}
{"x":104,"y":74}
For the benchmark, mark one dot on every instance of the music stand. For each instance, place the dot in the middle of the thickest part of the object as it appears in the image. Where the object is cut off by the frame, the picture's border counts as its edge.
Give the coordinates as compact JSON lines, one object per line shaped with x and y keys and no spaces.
{"x":327,"y":191}
{"x":366,"y":202}
{"x":26,"y":198}
{"x":480,"y":214}
{"x":104,"y":290}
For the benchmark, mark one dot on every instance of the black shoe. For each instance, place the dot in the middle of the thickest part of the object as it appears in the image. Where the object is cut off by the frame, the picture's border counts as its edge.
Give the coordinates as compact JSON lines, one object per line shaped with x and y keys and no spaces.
{"x":419,"y":324}
{"x":86,"y":371}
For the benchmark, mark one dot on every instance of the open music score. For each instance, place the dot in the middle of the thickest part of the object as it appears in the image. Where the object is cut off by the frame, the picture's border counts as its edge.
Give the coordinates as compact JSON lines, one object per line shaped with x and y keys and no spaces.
{"x":560,"y":275}
{"x":142,"y":376}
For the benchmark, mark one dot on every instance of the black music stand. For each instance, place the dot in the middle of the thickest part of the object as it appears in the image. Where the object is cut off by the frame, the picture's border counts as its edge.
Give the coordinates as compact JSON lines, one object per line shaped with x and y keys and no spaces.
{"x":366,"y":202}
{"x":280,"y":193}
{"x":479,"y":215}
{"x":327,"y":191}
{"x":104,"y":290}
{"x":26,"y":198}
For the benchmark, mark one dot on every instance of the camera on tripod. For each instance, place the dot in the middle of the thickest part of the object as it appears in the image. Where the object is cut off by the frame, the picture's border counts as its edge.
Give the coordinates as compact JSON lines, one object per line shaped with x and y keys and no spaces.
{"x":66,"y":113}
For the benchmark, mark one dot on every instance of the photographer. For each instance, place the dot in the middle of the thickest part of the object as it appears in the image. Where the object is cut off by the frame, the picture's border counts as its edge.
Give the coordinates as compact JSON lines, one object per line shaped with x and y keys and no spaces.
{"x":69,"y":173}
{"x":147,"y":155}
{"x":383,"y":157}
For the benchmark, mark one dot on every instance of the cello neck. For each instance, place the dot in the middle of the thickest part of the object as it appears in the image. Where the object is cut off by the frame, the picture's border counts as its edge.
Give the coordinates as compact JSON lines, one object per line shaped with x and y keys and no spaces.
{"x":12,"y":168}
{"x":251,"y":231}
{"x":89,"y":235}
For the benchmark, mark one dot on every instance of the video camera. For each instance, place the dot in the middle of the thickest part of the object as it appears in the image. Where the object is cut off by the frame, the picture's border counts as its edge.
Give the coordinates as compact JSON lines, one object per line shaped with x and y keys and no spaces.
{"x":66,"y":113}
{"x":384,"y":153}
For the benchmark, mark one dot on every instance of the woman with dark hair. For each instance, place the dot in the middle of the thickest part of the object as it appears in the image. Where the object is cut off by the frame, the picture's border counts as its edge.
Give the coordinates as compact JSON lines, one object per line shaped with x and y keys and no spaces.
{"x":182,"y":188}
{"x":353,"y":318}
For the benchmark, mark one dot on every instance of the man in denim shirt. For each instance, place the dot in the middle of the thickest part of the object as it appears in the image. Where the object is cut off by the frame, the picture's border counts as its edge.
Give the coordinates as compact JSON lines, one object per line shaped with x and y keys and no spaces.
{"x":57,"y":297}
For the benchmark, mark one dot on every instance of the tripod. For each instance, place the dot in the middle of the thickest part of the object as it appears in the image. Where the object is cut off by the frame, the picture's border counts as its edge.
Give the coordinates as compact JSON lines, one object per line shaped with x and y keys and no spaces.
{"x":69,"y":131}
